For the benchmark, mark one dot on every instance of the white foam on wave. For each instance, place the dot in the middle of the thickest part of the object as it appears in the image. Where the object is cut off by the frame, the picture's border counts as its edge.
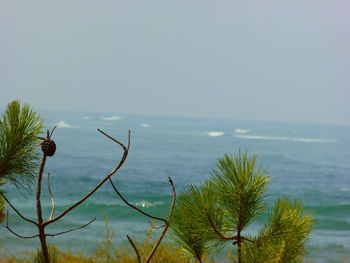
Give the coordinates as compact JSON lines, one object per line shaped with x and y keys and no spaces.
{"x":111,"y":118}
{"x":148,"y":204}
{"x":65,"y":125}
{"x":216,"y":133}
{"x":145,"y":125}
{"x":257,"y":137}
{"x":242,"y":131}
{"x":87,"y":118}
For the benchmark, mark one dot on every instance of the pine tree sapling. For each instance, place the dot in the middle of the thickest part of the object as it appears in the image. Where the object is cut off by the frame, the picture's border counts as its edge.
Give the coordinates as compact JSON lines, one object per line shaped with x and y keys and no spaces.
{"x":217,"y":213}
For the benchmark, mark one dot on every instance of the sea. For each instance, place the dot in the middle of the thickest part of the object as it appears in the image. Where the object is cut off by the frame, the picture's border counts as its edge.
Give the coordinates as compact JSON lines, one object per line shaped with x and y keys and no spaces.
{"x":310,"y":162}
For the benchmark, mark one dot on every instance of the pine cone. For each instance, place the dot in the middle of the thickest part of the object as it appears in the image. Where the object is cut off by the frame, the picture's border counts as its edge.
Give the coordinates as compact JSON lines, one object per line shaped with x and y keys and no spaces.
{"x":48,"y":147}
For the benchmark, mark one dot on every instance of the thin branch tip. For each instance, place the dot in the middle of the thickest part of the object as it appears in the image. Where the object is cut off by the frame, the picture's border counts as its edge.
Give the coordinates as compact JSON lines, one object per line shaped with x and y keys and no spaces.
{"x":51,"y":196}
{"x":53,"y":129}
{"x":133,"y":206}
{"x":12,"y":231}
{"x":72,"y":229}
{"x":135,"y":248}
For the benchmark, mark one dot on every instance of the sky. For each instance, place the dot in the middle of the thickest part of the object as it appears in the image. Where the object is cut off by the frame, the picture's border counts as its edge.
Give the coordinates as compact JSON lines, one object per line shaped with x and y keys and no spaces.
{"x":280,"y":60}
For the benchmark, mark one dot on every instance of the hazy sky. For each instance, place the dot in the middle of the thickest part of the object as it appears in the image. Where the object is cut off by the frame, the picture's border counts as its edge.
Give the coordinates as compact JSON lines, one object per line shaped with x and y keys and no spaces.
{"x":262,"y":60}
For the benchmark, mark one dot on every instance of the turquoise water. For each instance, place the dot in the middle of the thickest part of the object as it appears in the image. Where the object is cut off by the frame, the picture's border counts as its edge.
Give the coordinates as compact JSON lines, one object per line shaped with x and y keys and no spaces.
{"x":307,"y":161}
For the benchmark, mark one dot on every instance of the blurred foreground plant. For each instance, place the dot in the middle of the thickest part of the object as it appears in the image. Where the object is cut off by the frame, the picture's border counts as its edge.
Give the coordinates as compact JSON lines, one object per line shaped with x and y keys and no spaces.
{"x":217,"y":213}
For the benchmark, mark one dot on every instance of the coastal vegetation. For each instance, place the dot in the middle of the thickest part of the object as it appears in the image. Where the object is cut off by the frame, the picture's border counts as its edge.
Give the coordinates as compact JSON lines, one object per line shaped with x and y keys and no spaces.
{"x":203,"y":219}
{"x":216,"y":214}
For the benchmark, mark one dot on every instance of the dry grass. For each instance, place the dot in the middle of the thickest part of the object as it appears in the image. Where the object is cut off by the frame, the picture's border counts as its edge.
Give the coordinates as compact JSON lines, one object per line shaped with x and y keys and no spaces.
{"x":107,"y":253}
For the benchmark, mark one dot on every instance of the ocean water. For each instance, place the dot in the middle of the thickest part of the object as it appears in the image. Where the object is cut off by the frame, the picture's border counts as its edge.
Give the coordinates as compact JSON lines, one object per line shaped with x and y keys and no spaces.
{"x":307,"y":161}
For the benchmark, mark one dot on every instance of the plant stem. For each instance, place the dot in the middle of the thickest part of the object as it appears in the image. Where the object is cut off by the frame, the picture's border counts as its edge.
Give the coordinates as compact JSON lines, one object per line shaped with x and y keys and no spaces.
{"x":41,"y":227}
{"x":44,"y":250}
{"x":239,"y":244}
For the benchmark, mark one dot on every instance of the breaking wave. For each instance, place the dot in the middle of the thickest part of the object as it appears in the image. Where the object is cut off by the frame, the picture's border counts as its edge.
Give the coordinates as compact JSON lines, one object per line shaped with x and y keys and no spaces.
{"x":272,"y":138}
{"x":64,"y":125}
{"x":145,"y":125}
{"x":87,"y":118}
{"x":111,"y":118}
{"x":148,"y":204}
{"x":242,"y":131}
{"x":216,"y":133}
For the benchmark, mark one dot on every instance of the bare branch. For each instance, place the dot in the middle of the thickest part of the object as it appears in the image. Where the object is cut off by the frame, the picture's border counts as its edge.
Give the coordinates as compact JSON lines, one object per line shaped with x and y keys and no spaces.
{"x":38,"y":189}
{"x":132,"y":206}
{"x":167,"y":223}
{"x":121,"y":162}
{"x":135,"y":249}
{"x":13,"y":232}
{"x":110,"y":137}
{"x":73,"y":229}
{"x":54,"y":128}
{"x":51,"y":196}
{"x":18,"y":235}
{"x":18,"y":213}
{"x":173,"y":201}
{"x":157,"y":227}
{"x":129,"y":139}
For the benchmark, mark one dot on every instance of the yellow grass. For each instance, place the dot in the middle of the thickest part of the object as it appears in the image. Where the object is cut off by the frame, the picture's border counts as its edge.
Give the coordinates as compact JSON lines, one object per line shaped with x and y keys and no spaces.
{"x":107,"y":253}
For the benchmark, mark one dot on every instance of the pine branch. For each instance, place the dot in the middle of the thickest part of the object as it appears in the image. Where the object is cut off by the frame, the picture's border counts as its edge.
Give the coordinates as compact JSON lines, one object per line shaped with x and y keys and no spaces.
{"x":19,"y":131}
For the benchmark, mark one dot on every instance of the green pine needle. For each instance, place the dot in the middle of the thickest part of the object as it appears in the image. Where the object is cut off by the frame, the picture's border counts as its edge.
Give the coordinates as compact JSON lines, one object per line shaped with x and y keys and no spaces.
{"x":216,"y":213}
{"x":20,"y":127}
{"x":241,"y":187}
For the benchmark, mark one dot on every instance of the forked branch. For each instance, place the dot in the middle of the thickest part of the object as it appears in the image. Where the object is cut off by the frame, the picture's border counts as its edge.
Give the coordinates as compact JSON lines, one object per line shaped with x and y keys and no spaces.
{"x":18,"y":213}
{"x":166,"y":221}
{"x":219,"y":234}
{"x":13,"y":232}
{"x":48,"y":147}
{"x":133,"y":206}
{"x":167,"y":224}
{"x":121,"y":162}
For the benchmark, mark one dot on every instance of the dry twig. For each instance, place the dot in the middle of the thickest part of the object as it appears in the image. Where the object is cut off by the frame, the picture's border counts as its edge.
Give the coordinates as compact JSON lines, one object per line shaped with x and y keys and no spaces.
{"x":41,"y":224}
{"x":165,"y":226}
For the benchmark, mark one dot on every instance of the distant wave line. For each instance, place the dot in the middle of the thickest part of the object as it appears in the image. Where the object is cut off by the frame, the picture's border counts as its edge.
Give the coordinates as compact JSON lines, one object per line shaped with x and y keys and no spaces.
{"x":257,"y":137}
